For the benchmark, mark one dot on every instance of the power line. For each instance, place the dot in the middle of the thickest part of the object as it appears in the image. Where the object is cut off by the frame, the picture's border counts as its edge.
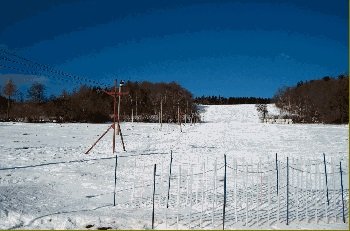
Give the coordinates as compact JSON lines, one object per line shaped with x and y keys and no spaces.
{"x":45,"y":68}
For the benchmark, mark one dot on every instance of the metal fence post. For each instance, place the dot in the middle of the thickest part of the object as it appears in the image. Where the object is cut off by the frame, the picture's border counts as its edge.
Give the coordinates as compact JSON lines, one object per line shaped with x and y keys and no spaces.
{"x":287,"y":192}
{"x":154,"y":190}
{"x":115,"y":178}
{"x":325,"y":173}
{"x":223,"y":220}
{"x":342,"y":195}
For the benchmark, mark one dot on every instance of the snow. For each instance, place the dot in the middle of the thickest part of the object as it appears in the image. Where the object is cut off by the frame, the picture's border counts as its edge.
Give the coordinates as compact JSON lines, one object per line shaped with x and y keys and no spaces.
{"x":47,"y":182}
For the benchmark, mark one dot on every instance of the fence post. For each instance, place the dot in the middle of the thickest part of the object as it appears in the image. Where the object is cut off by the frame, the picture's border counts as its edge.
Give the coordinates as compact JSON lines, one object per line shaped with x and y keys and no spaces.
{"x":206,"y":180}
{"x":191,"y":180}
{"x":115,"y":178}
{"x":171,"y":161}
{"x":333,"y":184}
{"x":325,"y":173}
{"x":134,"y":182}
{"x":296,"y":166}
{"x":223,"y":220}
{"x":154,"y":190}
{"x":214,"y":193}
{"x":315,"y":193}
{"x":269,"y":196}
{"x":308,"y":189}
{"x":342,"y":195}
{"x":167,"y":201}
{"x":143,"y":182}
{"x":277,"y":172}
{"x":187,"y":182}
{"x":236,"y":216}
{"x":287,"y":192}
{"x":178,"y":198}
{"x":202,"y":189}
{"x":261,"y":188}
{"x":255,"y":186}
{"x":246,"y":193}
{"x":278,"y":204}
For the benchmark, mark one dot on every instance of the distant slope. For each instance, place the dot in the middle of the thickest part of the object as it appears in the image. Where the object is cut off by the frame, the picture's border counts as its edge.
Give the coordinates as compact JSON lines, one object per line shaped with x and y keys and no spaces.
{"x":243,"y":113}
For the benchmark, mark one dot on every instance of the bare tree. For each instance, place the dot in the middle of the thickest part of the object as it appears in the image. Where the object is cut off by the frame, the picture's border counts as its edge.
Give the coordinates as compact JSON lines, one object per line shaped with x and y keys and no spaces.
{"x":262,"y":110}
{"x":37,"y":93}
{"x":9,"y":90}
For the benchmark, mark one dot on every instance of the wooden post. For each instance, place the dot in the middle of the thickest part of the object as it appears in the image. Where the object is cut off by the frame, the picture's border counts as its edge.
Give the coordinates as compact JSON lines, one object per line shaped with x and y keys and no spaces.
{"x":342,"y":194}
{"x":154,"y":191}
{"x":287,"y":192}
{"x":224,"y":207}
{"x":121,"y":136}
{"x":114,"y":113}
{"x":120,"y":90}
{"x":87,"y":152}
{"x":115,"y":178}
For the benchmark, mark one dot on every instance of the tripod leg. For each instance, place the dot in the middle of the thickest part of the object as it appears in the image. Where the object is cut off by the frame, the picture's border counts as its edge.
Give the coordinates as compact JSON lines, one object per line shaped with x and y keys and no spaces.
{"x":121,"y":136}
{"x":98,"y":140}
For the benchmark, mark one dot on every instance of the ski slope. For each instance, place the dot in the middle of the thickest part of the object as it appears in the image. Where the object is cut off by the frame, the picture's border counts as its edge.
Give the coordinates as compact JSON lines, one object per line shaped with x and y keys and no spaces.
{"x":47,"y":182}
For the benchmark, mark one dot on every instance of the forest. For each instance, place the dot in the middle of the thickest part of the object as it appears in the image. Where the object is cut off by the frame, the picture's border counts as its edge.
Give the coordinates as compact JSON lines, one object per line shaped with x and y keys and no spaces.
{"x":142,"y":101}
{"x":323,"y":100}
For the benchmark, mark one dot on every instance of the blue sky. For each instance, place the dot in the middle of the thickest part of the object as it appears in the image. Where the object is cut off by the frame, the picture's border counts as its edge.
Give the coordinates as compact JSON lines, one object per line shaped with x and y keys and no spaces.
{"x":228,"y":48}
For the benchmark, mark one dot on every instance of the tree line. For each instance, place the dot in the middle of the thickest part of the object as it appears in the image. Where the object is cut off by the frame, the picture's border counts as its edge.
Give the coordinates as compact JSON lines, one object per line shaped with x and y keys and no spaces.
{"x":324,"y":100}
{"x":142,"y":102}
{"x":219,"y":100}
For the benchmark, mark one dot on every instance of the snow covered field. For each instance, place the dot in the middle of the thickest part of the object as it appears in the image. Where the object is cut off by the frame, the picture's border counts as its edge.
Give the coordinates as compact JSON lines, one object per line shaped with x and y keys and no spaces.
{"x":47,"y":182}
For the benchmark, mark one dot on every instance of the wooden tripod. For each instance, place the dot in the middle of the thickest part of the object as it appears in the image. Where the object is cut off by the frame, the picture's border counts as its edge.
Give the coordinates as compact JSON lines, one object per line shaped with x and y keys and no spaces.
{"x":114,"y":94}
